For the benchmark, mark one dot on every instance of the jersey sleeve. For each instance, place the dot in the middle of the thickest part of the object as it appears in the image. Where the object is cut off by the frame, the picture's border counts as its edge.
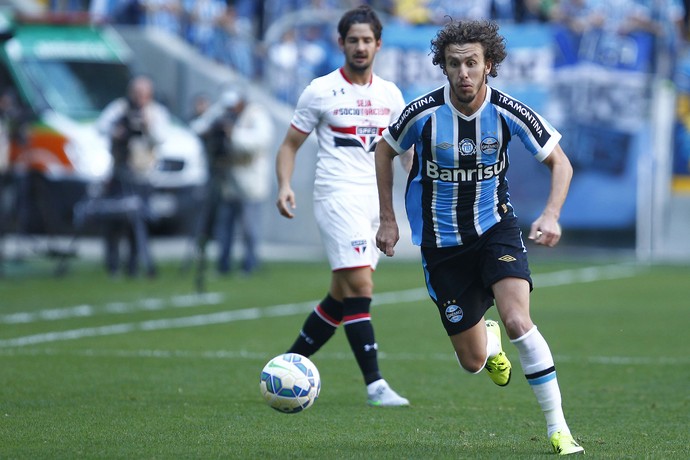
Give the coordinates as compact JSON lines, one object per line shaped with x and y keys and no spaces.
{"x":397,"y":106}
{"x":394,"y":142}
{"x":307,"y":113}
{"x":402,"y":133}
{"x":539,"y":148}
{"x":537,"y":134}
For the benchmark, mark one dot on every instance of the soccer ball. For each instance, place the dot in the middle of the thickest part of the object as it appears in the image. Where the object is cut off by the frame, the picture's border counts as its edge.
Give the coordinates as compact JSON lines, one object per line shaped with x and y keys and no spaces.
{"x":290,"y":383}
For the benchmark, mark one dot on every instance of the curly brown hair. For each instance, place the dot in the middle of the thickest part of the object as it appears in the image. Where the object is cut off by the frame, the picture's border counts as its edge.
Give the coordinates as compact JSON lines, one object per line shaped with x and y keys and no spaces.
{"x":461,"y":32}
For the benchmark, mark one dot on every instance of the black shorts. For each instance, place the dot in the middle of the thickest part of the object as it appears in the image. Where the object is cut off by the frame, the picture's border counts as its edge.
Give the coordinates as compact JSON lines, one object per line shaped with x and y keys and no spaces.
{"x":459,"y":278}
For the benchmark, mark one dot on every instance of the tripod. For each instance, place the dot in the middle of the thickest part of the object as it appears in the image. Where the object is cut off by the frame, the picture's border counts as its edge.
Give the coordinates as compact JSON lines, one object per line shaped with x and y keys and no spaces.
{"x":203,"y":232}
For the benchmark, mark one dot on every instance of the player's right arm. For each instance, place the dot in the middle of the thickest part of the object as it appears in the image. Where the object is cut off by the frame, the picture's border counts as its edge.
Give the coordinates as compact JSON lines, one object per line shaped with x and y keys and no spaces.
{"x":285,"y":165}
{"x":388,"y":233}
{"x":546,"y":230}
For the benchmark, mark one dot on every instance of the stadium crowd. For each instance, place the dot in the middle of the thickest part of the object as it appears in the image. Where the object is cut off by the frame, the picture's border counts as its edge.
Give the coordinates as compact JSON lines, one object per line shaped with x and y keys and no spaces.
{"x":253,"y":36}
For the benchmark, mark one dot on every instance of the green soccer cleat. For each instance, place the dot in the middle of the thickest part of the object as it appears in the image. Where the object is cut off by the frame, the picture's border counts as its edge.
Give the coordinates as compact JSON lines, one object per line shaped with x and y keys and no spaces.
{"x":564,"y":444}
{"x":499,"y":366}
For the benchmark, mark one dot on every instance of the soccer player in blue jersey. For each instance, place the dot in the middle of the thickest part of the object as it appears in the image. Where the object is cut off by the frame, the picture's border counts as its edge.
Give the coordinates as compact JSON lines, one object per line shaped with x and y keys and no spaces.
{"x":460,"y":213}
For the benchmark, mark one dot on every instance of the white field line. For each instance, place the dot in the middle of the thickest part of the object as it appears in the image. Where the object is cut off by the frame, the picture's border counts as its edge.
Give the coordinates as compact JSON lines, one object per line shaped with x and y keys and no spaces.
{"x":323,"y":356}
{"x":584,"y":275}
{"x":114,"y":308}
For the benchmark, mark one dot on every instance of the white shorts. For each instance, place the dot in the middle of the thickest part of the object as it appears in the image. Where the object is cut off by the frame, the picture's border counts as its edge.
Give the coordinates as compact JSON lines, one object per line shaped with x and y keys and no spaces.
{"x":348,"y":226}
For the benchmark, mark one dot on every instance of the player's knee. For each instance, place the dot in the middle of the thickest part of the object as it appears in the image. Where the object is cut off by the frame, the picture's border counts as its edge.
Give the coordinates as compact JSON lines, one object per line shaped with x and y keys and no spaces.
{"x":359,"y":288}
{"x":472,"y":362}
{"x":354,"y":283}
{"x":517,"y":325}
{"x":364,"y":289}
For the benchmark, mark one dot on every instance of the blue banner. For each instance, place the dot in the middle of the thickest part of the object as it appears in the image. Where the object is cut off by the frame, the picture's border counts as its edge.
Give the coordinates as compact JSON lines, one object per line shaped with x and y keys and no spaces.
{"x":681,"y":129}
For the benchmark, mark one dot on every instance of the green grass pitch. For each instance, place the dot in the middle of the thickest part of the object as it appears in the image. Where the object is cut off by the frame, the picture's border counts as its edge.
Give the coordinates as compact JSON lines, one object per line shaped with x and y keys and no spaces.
{"x":97,"y":368}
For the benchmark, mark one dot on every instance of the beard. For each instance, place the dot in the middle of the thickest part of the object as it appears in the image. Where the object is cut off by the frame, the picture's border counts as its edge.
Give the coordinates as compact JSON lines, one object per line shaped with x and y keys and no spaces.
{"x":466,"y":98}
{"x":356,"y":67}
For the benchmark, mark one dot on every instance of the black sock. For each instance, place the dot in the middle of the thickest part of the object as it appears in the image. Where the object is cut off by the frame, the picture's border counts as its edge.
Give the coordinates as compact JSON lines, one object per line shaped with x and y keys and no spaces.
{"x":360,"y":335}
{"x":319,"y":327}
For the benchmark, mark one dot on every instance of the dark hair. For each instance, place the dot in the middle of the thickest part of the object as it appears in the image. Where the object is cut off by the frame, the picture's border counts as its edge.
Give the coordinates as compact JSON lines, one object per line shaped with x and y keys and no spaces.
{"x":363,"y":14}
{"x":461,"y":32}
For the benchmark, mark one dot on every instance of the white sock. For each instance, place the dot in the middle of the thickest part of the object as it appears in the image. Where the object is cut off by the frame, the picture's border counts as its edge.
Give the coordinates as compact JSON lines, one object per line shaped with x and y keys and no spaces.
{"x":493,"y":346}
{"x":537,"y":364}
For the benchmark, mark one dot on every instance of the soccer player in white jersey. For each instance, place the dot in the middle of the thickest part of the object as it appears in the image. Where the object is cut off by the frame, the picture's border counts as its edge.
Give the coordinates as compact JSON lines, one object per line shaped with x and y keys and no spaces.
{"x":459,"y":209}
{"x":348,"y":109}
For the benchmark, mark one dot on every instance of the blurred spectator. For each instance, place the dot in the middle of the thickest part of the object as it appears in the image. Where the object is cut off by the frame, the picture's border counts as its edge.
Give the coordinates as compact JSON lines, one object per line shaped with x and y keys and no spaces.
{"x":413,"y":11}
{"x":283,"y":59}
{"x":200,"y":103}
{"x":237,"y":42}
{"x":203,"y":18}
{"x":129,"y":12}
{"x":101,"y":11}
{"x":163,"y":14}
{"x":534,"y":10}
{"x":574,"y":14}
{"x":302,"y":54}
{"x":628,"y":16}
{"x":238,"y":136}
{"x":571,"y":19}
{"x":68,"y":6}
{"x":503,"y":10}
{"x":442,"y":10}
{"x":313,"y":50}
{"x":670,"y":29}
{"x":135,"y":125}
{"x":5,"y":140}
{"x":657,"y":24}
{"x":274,"y":10}
{"x":13,"y":123}
{"x":386,"y":7}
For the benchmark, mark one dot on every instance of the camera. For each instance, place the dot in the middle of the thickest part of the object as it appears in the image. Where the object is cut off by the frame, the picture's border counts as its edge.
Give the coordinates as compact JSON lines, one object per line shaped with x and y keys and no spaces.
{"x":134,"y":122}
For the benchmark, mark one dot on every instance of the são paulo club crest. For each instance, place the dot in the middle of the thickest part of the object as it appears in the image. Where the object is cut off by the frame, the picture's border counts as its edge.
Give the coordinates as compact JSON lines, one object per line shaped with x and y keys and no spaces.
{"x":359,"y":245}
{"x":357,"y":136}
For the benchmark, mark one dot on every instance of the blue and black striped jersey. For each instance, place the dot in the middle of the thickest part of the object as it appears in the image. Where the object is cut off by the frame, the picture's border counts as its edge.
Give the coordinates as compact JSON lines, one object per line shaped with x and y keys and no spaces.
{"x":457,"y":188}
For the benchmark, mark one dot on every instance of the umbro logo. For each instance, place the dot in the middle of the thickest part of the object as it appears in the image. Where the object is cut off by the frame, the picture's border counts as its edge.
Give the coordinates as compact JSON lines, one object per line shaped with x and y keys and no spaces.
{"x":444,"y":146}
{"x":507,"y":258}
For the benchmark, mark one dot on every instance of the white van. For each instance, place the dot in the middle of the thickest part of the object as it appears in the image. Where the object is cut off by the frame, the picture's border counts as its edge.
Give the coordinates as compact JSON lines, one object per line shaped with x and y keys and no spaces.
{"x":63,"y":73}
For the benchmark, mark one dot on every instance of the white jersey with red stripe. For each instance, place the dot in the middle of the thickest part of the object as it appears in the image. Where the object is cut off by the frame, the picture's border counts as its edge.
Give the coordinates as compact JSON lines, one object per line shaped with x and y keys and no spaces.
{"x":348,"y":120}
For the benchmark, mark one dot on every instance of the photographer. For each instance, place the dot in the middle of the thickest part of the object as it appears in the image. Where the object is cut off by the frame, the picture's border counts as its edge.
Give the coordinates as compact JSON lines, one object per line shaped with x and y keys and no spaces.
{"x":135,"y":125}
{"x":237,"y":134}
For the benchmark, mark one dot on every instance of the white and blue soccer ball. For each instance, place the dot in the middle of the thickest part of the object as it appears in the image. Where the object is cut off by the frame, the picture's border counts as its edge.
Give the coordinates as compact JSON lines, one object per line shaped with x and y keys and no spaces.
{"x":290,"y":383}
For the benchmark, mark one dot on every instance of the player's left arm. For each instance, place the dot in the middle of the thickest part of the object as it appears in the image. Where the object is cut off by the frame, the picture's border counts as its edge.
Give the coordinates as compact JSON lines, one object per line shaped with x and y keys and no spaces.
{"x":545,"y":229}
